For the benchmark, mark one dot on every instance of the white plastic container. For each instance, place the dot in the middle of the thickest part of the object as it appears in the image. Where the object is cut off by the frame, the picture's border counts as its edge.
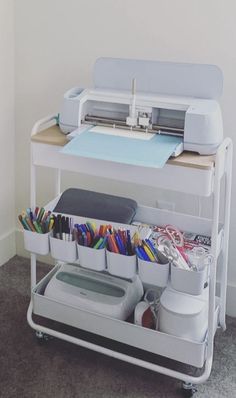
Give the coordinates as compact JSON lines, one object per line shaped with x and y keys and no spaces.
{"x":63,"y":250}
{"x":183,"y":315}
{"x":153,"y":273}
{"x":121,"y":265}
{"x":188,"y":281}
{"x":92,"y":258}
{"x":36,"y":243}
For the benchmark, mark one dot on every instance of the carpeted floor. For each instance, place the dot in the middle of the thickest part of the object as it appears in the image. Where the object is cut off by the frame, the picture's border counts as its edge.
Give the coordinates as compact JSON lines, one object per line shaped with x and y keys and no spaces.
{"x":62,"y":370}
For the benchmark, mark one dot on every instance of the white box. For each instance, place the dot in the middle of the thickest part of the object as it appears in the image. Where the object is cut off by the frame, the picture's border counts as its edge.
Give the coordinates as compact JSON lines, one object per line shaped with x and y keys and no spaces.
{"x":121,"y":265}
{"x":92,"y":258}
{"x":188,"y":281}
{"x":183,"y":315}
{"x":63,"y":250}
{"x":36,"y":243}
{"x":153,"y":273}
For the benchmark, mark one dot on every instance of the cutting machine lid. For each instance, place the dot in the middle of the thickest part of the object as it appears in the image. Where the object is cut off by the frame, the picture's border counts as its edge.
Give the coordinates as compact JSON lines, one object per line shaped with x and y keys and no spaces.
{"x":95,"y":292}
{"x":91,"y":284}
{"x":166,"y":78}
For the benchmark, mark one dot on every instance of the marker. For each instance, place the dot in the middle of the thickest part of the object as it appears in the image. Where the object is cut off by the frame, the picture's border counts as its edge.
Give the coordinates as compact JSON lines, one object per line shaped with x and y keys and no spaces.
{"x":112,"y":244}
{"x":36,"y":212}
{"x":153,"y":249}
{"x":40,"y":215}
{"x":148,"y":251}
{"x":129,"y":245}
{"x":98,"y":244}
{"x":37,"y":227}
{"x":29,"y":222}
{"x":24,"y":224}
{"x":143,"y":253}
{"x":120,"y":244}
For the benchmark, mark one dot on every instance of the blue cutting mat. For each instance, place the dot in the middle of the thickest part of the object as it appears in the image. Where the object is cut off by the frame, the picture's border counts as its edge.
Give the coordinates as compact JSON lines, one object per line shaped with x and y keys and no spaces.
{"x":148,"y":153}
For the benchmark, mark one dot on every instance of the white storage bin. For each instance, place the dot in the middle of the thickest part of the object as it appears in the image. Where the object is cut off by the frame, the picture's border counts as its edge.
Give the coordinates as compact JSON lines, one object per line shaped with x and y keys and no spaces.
{"x":121,"y":265}
{"x":183,"y":315}
{"x":92,"y":258}
{"x":153,"y":273}
{"x":36,"y":243}
{"x":188,"y":281}
{"x":63,"y":250}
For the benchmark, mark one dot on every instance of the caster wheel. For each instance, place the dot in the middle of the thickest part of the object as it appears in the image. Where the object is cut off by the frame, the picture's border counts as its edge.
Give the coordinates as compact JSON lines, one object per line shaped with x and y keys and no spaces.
{"x":188,"y":393}
{"x":188,"y":390}
{"x":41,"y":337}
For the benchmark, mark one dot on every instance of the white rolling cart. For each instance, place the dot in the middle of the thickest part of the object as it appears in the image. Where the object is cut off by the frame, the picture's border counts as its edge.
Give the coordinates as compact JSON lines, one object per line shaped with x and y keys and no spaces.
{"x":208,"y":174}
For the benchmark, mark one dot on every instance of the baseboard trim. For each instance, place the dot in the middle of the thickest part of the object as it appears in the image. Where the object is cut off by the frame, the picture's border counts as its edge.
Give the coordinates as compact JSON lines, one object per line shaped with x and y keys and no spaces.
{"x":231,"y":300}
{"x":7,"y":246}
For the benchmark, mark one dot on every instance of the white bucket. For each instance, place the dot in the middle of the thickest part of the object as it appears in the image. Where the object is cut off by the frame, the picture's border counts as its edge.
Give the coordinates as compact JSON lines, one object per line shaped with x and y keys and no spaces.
{"x":92,"y":258}
{"x":188,"y":281}
{"x":153,"y":273}
{"x":121,"y":265}
{"x":36,"y":243}
{"x":63,"y":250}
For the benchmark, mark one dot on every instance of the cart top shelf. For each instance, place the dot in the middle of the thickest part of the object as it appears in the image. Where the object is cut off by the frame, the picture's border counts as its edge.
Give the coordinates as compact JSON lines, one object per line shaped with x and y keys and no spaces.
{"x":53,"y":136}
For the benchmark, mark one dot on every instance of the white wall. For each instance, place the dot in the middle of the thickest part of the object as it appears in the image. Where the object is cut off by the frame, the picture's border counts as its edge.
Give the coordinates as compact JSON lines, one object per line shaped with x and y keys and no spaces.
{"x":7,"y":159}
{"x":58,"y":41}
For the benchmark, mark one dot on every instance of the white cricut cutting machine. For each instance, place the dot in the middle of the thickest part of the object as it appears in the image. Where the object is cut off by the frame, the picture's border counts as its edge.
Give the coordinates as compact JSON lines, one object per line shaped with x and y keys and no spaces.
{"x":94,"y":291}
{"x":171,"y":99}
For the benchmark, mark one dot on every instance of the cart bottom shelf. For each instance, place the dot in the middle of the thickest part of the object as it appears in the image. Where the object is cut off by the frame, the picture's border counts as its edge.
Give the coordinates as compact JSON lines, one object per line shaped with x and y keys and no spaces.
{"x":176,"y":348}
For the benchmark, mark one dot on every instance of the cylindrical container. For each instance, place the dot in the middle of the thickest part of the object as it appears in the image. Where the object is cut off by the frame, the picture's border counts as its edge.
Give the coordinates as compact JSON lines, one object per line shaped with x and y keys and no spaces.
{"x":189,"y":281}
{"x":121,"y":265}
{"x":153,"y":273}
{"x":36,"y":243}
{"x":63,"y":250}
{"x":92,"y":258}
{"x":183,"y":315}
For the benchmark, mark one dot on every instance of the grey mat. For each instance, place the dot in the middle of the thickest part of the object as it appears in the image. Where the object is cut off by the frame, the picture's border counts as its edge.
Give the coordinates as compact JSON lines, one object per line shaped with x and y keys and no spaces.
{"x":62,"y":370}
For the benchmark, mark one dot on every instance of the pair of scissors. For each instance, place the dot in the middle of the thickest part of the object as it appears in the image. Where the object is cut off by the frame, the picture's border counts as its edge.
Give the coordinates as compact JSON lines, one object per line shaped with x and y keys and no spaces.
{"x":174,"y":235}
{"x":173,"y":254}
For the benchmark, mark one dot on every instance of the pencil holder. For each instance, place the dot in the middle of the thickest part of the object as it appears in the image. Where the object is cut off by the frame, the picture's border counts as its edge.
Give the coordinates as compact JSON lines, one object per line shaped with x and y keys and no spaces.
{"x":154,"y":274}
{"x":36,"y":243}
{"x":121,"y":265}
{"x":92,"y":258}
{"x":188,"y":281}
{"x":63,"y":250}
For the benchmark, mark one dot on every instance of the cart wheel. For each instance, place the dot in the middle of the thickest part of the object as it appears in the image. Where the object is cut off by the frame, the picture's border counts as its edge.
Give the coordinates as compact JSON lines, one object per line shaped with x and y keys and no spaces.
{"x":41,"y":337}
{"x":188,"y":389}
